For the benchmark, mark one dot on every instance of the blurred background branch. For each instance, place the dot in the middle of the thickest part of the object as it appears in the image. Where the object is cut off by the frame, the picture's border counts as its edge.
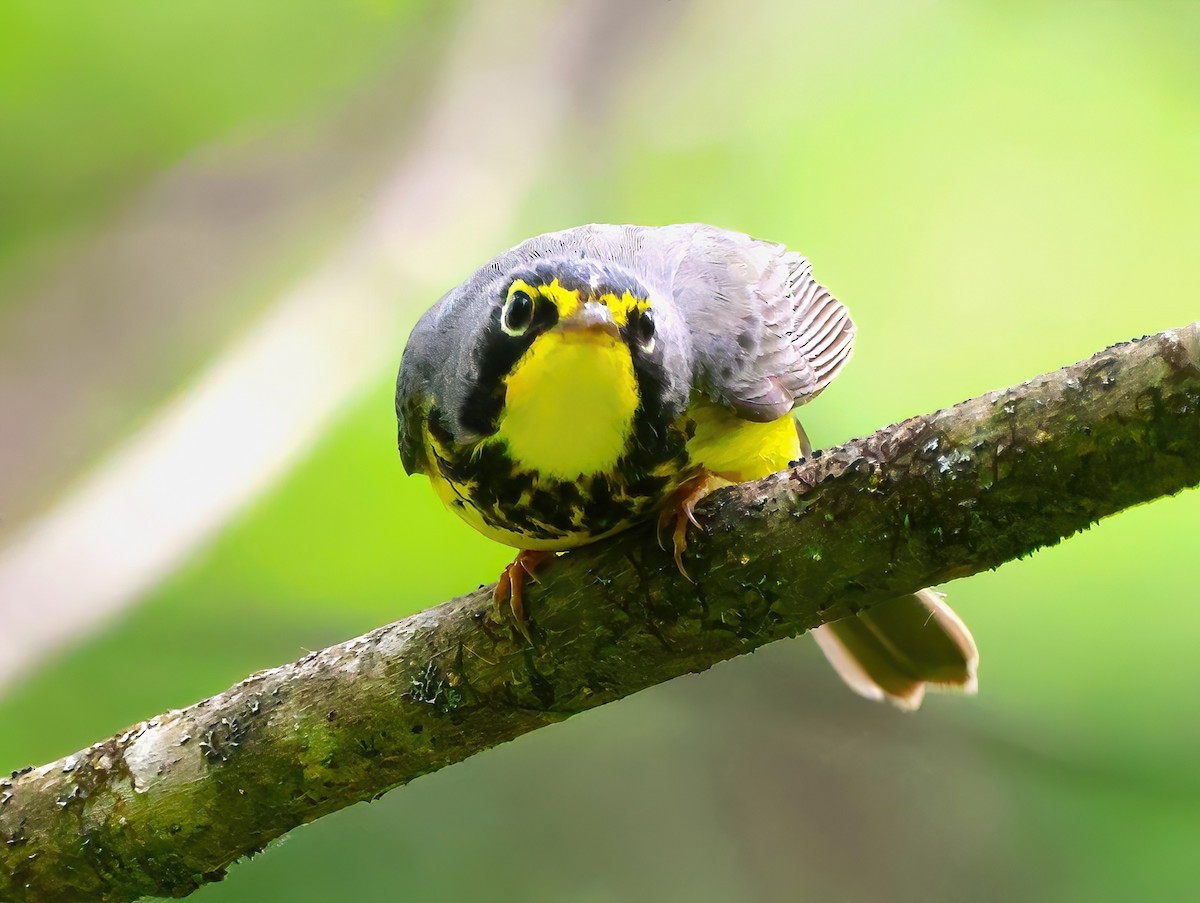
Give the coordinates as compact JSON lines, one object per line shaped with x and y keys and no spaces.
{"x":169,"y":804}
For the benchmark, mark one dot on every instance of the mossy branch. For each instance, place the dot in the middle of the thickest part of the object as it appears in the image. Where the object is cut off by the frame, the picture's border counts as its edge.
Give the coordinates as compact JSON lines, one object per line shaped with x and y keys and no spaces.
{"x":167,"y":805}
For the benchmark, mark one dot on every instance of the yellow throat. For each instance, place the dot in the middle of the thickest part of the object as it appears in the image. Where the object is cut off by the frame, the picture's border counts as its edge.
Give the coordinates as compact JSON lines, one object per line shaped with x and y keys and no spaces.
{"x":569,"y":404}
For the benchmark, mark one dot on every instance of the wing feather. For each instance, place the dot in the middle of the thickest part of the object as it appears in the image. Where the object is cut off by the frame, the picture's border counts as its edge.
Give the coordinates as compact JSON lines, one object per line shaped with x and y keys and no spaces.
{"x":766,"y":336}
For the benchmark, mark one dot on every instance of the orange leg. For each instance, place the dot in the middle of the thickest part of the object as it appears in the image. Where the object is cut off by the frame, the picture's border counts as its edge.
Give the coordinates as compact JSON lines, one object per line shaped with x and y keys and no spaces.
{"x":511,"y":585}
{"x":680,"y":507}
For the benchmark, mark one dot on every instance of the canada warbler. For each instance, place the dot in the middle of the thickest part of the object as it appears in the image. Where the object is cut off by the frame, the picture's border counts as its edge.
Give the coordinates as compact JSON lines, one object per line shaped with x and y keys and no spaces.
{"x":595,"y":378}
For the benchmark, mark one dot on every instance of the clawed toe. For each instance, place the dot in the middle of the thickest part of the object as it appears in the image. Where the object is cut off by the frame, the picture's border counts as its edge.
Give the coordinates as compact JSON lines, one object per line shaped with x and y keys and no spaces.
{"x":679,"y":511}
{"x":511,"y":586}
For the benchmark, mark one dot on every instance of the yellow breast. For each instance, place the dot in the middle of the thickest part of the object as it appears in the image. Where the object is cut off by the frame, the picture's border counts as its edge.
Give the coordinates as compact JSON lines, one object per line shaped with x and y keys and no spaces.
{"x":569,"y":405}
{"x":738,"y":449}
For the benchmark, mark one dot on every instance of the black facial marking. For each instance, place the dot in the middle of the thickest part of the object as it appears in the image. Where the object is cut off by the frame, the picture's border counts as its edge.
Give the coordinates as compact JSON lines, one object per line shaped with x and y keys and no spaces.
{"x":654,"y":415}
{"x":641,"y":326}
{"x":495,"y":358}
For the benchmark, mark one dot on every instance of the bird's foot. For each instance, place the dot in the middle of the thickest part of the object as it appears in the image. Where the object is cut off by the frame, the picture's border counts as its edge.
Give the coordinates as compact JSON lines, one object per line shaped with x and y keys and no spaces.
{"x":677,"y":512}
{"x":511,"y":585}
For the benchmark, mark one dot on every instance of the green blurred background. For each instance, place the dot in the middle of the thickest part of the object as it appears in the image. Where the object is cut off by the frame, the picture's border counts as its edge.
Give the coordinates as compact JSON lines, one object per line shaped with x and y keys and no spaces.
{"x":995,"y":190}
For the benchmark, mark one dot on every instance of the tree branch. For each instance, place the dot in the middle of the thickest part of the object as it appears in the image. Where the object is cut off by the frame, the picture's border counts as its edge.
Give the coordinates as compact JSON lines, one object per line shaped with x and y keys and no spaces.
{"x":170,"y":803}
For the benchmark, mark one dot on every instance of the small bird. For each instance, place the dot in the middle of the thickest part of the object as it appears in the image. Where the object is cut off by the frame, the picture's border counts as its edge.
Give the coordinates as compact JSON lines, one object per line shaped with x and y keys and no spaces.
{"x":603,"y":376}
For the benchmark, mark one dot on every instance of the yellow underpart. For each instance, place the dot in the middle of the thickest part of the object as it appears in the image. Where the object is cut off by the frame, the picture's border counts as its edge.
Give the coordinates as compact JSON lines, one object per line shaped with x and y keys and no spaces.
{"x":568,"y":301}
{"x":738,"y":449}
{"x":569,"y":404}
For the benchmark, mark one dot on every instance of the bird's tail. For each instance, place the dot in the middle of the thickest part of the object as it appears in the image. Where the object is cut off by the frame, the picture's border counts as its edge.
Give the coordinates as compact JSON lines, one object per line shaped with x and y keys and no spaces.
{"x":898,"y":648}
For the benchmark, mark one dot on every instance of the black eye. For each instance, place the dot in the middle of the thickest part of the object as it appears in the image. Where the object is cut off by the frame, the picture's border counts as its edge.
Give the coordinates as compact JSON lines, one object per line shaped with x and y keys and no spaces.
{"x":643,"y":330}
{"x":517,"y":313}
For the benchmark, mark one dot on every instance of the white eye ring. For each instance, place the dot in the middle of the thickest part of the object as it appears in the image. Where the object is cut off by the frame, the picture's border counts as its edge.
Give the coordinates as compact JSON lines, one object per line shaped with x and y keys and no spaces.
{"x":517,"y":315}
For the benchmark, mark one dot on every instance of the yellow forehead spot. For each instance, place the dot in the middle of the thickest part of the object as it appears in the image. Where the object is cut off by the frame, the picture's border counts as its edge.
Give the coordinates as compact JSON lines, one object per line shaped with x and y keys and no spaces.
{"x":624,"y":305}
{"x":566,"y":300}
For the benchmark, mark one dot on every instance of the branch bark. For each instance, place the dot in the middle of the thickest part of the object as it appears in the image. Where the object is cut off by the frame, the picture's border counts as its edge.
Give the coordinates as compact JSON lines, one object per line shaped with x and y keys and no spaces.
{"x":168,"y":804}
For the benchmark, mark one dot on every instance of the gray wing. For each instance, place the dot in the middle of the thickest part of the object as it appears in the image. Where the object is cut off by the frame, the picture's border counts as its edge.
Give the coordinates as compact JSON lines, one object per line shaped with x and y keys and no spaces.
{"x":765,"y":335}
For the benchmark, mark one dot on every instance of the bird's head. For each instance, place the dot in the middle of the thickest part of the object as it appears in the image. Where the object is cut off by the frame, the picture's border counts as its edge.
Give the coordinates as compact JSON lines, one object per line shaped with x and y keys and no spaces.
{"x":576,"y":299}
{"x":575,"y":355}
